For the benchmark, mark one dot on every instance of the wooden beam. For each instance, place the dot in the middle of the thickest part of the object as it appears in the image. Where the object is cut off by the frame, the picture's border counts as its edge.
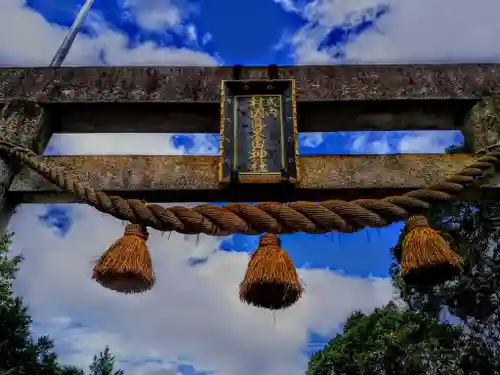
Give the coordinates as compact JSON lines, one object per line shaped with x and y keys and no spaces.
{"x":201,"y":84}
{"x":312,"y":116}
{"x":194,"y":178}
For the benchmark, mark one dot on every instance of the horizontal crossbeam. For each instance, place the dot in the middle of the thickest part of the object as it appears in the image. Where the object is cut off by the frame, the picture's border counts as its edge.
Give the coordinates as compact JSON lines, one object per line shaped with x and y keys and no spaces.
{"x":194,"y":178}
{"x":312,"y":116}
{"x":202,"y":84}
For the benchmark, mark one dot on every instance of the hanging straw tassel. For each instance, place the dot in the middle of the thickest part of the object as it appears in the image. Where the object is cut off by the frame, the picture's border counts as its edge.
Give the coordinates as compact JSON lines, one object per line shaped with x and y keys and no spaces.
{"x":271,"y":280}
{"x":126,"y":266}
{"x":427,"y":259}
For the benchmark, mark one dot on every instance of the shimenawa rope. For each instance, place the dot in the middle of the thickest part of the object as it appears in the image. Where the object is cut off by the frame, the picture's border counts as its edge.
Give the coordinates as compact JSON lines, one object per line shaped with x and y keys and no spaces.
{"x":270,"y":217}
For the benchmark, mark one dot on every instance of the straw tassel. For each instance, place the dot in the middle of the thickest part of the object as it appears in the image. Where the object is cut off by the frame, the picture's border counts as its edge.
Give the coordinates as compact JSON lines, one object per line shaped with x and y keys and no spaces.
{"x":427,"y":259}
{"x":271,"y":280}
{"x":126,"y":266}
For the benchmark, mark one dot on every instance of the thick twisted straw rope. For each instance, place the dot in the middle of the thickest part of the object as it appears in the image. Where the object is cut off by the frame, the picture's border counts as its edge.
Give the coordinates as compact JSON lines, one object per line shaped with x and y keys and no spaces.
{"x":272,"y":217}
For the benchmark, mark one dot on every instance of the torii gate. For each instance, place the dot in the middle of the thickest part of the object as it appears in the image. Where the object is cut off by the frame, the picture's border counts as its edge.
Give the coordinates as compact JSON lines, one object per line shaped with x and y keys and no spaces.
{"x":258,"y":111}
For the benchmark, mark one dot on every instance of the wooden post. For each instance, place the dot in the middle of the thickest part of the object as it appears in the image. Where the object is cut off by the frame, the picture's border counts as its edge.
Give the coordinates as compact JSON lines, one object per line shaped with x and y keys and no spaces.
{"x":24,"y":124}
{"x":482,"y":128}
{"x":482,"y":124}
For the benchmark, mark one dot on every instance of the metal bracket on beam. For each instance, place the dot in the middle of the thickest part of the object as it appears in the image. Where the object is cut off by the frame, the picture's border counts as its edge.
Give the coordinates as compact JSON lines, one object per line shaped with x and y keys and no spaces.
{"x":273,"y":72}
{"x":236,"y":73}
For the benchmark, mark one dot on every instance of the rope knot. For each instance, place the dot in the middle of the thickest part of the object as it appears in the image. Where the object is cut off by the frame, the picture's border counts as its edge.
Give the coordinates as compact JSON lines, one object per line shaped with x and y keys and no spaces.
{"x":269,"y":239}
{"x":136,"y":230}
{"x":416,"y":221}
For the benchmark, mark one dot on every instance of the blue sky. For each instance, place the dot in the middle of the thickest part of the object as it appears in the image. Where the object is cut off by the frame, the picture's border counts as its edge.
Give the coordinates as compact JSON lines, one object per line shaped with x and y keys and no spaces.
{"x":192,"y":321}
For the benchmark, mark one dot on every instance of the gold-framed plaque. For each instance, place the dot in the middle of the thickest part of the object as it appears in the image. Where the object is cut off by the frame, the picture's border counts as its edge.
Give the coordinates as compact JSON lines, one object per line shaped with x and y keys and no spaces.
{"x":258,"y":132}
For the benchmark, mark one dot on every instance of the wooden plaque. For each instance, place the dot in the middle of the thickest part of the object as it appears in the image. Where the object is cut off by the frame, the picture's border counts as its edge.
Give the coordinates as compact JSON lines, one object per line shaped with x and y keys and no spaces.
{"x":258,"y":131}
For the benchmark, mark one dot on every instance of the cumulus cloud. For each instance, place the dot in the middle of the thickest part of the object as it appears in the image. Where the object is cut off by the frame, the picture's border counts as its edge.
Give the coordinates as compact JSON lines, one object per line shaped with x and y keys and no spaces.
{"x":156,"y":15}
{"x":427,"y":142}
{"x":28,"y":39}
{"x":207,"y":37}
{"x":362,"y":145}
{"x":390,"y":31}
{"x":402,"y":142}
{"x":288,"y":5}
{"x":311,"y":139}
{"x":193,"y":312}
{"x":132,"y":144}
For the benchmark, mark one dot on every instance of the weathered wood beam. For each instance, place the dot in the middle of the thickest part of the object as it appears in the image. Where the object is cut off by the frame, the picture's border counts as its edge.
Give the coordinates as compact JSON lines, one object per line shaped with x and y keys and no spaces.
{"x":194,"y":178}
{"x":312,"y":116}
{"x":201,"y":84}
{"x":27,"y":125}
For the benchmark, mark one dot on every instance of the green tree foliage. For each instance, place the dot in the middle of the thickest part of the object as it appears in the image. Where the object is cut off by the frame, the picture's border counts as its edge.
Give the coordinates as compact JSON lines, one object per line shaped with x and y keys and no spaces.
{"x":104,"y":364}
{"x":390,"y":341}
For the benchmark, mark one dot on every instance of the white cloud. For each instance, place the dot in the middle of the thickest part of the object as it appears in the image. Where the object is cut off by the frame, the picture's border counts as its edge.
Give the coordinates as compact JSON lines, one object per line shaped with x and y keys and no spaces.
{"x":420,"y":31}
{"x":311,"y":139}
{"x":128,"y":144}
{"x":192,"y":312}
{"x":426,"y":142}
{"x":207,"y":38}
{"x":415,"y":142}
{"x":287,"y":5}
{"x":157,"y":15}
{"x":412,"y":31}
{"x":362,"y":145}
{"x":191,"y":33}
{"x":28,"y":39}
{"x":333,"y":12}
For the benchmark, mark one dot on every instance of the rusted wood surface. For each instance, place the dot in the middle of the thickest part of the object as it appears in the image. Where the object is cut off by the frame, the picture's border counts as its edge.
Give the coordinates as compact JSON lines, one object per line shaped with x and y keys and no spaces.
{"x":201,"y":84}
{"x":312,"y":116}
{"x":194,"y":178}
